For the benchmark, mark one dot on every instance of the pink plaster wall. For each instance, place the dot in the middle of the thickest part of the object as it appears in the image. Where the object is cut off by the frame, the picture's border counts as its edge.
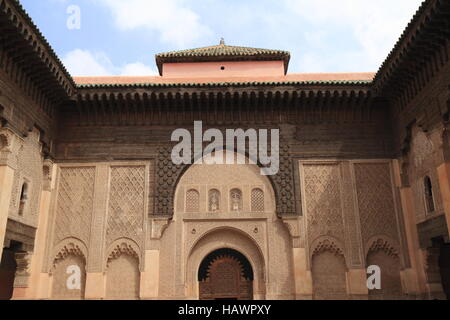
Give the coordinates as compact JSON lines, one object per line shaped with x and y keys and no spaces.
{"x":232,"y":69}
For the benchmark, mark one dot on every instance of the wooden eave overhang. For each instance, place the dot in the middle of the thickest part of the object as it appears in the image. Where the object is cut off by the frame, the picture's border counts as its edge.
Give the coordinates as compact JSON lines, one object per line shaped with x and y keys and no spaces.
{"x":24,"y":43}
{"x":421,"y":51}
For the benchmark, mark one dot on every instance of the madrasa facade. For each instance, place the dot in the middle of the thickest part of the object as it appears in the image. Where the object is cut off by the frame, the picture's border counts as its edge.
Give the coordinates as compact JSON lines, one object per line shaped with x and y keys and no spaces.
{"x":92,"y":205}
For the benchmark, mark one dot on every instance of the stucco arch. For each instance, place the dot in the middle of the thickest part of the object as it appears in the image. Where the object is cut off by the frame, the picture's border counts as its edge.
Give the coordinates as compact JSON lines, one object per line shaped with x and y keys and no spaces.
{"x":68,"y":246}
{"x":270,"y":180}
{"x":224,"y":178}
{"x":123,"y":246}
{"x":384,"y":243}
{"x":226,"y":238}
{"x":329,"y":243}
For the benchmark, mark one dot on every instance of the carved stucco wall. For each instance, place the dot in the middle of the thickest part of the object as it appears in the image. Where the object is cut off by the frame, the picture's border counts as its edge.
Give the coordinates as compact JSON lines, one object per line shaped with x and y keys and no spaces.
{"x":335,"y":193}
{"x":101,"y":207}
{"x":424,"y":158}
{"x":328,"y":273}
{"x":29,"y":169}
{"x":375,"y":195}
{"x":74,"y":204}
{"x":386,"y":257}
{"x":123,"y":277}
{"x":126,"y":205}
{"x":263,"y":233}
{"x":348,"y":206}
{"x":60,"y":289}
{"x":323,"y":201}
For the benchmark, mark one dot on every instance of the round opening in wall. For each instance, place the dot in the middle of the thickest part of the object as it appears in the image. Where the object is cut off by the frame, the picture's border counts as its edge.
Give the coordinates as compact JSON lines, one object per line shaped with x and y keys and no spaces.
{"x":222,"y":68}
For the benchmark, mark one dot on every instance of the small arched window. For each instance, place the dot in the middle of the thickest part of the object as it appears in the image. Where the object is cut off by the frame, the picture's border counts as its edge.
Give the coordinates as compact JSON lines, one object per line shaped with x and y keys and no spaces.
{"x":257,"y":200}
{"x":214,"y":200}
{"x":429,"y":198}
{"x":236,"y":200}
{"x":192,"y":201}
{"x":23,"y":198}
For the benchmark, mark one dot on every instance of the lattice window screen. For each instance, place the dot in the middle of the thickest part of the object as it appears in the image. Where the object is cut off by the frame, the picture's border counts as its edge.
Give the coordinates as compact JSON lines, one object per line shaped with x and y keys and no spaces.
{"x":192,"y":201}
{"x":257,"y":200}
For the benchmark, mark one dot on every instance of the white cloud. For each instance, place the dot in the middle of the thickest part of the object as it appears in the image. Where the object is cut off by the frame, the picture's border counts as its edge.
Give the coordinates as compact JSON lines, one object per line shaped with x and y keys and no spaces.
{"x":374,"y":25}
{"x":137,"y":69}
{"x":176,"y":24}
{"x":86,"y":63}
{"x":322,"y":35}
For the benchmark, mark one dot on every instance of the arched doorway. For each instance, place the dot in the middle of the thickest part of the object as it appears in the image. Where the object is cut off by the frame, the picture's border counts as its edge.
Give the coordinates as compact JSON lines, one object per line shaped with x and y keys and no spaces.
{"x":391,"y":286}
{"x":225,"y":274}
{"x":8,"y":268}
{"x":444,"y":266}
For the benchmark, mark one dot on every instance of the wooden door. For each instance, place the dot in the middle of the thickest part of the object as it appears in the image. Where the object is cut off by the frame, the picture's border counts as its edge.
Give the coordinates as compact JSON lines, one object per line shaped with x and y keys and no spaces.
{"x":226,"y":281}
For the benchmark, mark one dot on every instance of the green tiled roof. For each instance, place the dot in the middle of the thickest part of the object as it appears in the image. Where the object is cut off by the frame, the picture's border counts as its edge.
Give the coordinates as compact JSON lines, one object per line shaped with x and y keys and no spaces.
{"x":228,"y":84}
{"x":222,"y":52}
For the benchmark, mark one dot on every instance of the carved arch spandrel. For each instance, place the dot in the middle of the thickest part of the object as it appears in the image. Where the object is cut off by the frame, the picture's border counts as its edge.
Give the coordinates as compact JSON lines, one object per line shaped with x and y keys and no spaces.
{"x":168,"y":176}
{"x":67,"y":247}
{"x":326,"y":243}
{"x":209,"y":232}
{"x":381,"y":252}
{"x":120,"y":247}
{"x":382,"y":243}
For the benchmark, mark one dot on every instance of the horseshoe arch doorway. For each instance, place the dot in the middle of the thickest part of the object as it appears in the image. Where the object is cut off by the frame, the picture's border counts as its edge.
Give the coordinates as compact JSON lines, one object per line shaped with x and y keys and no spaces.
{"x":225,"y":274}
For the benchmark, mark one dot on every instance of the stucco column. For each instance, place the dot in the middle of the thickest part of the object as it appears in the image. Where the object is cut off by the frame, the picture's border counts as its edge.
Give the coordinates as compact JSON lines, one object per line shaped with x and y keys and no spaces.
{"x":150,"y":277}
{"x":302,"y":276}
{"x":413,"y":279}
{"x":39,"y":282}
{"x":6,"y":184}
{"x":95,"y":274}
{"x":95,"y":286}
{"x":357,"y":283}
{"x":444,"y":186}
{"x":8,"y":146}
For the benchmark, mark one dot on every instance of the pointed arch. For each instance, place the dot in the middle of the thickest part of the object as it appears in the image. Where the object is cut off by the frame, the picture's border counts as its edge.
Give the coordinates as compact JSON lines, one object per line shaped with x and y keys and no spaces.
{"x":122,"y":271}
{"x":69,"y":261}
{"x":383,"y":254}
{"x":328,"y":268}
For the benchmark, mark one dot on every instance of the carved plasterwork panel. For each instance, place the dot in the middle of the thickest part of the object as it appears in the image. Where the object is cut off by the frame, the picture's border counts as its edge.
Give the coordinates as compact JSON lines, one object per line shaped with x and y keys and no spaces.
{"x":422,"y":147}
{"x":232,"y":185}
{"x":29,"y":164}
{"x":257,"y":201}
{"x":74,"y":205}
{"x":375,"y":200}
{"x":167,"y":175}
{"x":323,"y":205}
{"x":126,"y":205}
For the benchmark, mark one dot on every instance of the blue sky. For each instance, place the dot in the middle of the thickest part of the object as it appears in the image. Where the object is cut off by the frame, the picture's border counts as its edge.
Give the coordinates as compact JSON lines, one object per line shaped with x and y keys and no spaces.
{"x":121,"y":37}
